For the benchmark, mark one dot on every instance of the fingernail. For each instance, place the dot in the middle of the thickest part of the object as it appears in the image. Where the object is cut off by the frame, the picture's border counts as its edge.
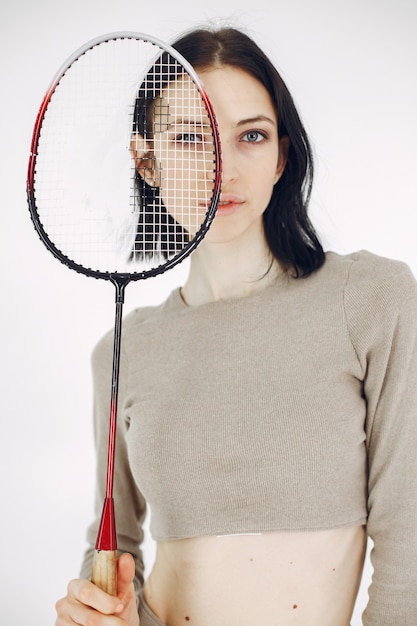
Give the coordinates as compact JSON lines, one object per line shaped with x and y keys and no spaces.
{"x":119,"y":608}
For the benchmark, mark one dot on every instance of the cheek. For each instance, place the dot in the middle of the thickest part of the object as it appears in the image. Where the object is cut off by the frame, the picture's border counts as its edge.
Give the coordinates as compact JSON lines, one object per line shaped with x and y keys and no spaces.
{"x":183,"y":194}
{"x":266,"y":180}
{"x":267,"y":166}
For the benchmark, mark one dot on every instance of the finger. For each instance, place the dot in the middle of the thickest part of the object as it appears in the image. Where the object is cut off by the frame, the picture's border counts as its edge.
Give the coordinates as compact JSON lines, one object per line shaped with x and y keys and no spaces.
{"x":82,"y":615}
{"x":91,"y":596}
{"x":62,"y":609}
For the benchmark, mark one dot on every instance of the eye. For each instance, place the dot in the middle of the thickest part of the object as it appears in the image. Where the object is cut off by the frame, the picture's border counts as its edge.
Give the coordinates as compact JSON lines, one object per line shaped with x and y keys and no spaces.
{"x":189,"y":138}
{"x":254,"y":136}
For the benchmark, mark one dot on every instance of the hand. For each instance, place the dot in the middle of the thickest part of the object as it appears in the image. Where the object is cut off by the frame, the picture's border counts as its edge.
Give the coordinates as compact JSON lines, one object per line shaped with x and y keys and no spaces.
{"x":87,"y":604}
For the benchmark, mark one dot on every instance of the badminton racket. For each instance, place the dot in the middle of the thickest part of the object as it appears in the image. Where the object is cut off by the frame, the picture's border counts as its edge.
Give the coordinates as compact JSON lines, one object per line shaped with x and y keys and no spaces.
{"x":123,"y":183}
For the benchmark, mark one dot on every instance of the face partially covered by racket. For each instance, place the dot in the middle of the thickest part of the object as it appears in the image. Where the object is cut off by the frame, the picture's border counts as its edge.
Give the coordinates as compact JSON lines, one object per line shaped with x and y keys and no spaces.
{"x":123,"y":183}
{"x":124,"y":175}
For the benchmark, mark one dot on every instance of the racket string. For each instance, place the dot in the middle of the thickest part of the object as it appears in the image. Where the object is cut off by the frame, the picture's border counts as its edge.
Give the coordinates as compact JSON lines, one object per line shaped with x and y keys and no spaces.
{"x":91,"y":197}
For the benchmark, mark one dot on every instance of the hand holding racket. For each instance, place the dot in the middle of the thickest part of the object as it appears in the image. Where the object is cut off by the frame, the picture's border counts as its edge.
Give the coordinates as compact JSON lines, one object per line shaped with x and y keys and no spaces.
{"x":123,"y":183}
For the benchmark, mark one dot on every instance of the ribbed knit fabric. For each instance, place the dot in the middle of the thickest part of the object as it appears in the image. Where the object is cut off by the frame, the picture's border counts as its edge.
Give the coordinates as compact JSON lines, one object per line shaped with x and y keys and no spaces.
{"x":291,"y":409}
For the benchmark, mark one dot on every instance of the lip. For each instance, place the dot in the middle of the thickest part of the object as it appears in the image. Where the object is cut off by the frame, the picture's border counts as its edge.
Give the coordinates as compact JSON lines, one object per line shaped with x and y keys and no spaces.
{"x":228,"y":204}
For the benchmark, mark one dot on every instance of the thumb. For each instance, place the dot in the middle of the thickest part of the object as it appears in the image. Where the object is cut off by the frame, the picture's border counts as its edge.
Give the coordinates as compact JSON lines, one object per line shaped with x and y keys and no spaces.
{"x":128,"y":610}
{"x":125,"y":575}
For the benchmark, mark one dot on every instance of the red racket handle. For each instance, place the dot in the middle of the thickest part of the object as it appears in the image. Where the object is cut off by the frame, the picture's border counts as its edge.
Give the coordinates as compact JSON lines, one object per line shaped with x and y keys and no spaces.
{"x":104,"y":568}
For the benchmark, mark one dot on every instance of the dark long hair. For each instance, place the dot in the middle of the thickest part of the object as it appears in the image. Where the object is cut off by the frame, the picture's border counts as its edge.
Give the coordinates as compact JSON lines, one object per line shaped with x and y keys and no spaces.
{"x":288,"y":230}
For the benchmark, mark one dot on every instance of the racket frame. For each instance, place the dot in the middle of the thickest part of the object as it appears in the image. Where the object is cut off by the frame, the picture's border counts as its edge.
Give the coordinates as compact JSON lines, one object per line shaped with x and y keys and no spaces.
{"x":104,"y":563}
{"x":122,"y":277}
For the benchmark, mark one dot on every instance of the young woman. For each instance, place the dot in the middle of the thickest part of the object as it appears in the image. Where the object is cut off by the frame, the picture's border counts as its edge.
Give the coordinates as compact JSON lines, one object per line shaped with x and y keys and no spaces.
{"x":269,"y":454}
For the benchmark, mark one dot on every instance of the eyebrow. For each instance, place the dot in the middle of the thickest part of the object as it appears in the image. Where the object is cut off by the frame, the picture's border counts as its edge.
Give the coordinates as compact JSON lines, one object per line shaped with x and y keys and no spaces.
{"x":253,"y":120}
{"x":189,"y":124}
{"x":181,"y":121}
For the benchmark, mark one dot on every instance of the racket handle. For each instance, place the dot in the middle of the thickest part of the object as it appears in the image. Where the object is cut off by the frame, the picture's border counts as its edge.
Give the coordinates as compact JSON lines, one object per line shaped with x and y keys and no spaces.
{"x":104,"y":570}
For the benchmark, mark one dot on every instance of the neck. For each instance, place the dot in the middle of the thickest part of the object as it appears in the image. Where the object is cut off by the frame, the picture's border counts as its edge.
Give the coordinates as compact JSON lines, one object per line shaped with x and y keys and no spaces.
{"x":222,"y":271}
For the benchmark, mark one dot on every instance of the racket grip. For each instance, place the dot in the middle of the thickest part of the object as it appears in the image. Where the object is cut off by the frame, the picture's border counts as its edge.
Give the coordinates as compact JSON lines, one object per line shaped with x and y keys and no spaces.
{"x":104,"y":570}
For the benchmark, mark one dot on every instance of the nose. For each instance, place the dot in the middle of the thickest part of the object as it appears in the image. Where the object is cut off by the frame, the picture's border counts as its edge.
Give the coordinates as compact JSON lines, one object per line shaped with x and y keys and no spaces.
{"x":229,"y":163}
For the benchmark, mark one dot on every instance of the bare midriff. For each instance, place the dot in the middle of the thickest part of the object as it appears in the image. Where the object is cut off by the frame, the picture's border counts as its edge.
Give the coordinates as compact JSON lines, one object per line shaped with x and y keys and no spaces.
{"x":270,"y":579}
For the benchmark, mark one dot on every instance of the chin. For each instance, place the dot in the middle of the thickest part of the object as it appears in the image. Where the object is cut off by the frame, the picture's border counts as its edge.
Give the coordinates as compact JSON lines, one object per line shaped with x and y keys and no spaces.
{"x":220,"y":236}
{"x":225,"y":230}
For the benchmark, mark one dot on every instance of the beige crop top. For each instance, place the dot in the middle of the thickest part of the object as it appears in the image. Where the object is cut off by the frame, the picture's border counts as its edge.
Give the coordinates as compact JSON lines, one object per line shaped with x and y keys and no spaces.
{"x":291,"y":409}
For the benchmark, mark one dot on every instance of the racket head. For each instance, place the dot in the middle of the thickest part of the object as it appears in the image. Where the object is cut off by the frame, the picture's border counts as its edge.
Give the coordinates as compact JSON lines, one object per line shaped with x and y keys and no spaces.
{"x":124,"y":171}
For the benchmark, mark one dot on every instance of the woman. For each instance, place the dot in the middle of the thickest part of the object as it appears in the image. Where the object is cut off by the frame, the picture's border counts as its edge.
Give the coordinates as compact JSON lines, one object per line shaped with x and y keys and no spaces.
{"x":272,"y":451}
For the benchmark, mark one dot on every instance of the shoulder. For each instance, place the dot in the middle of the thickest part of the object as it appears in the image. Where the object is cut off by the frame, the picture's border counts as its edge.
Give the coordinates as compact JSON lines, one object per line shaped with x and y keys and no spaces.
{"x":366,"y":265}
{"x":375,"y":279}
{"x":379,"y":295}
{"x":361,"y":277}
{"x":136,"y":323}
{"x":367,"y":275}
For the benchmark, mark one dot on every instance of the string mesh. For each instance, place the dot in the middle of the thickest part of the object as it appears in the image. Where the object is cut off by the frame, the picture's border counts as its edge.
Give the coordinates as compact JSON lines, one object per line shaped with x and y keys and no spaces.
{"x":125,"y":164}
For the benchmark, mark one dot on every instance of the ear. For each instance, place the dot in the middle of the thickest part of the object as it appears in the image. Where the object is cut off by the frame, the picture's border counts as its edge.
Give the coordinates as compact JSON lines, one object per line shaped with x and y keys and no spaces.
{"x":145,"y":161}
{"x":283,"y":146}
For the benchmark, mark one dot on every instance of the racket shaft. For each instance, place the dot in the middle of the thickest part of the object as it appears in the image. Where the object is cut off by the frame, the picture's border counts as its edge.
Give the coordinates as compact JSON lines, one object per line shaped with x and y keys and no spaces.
{"x":105,"y":556}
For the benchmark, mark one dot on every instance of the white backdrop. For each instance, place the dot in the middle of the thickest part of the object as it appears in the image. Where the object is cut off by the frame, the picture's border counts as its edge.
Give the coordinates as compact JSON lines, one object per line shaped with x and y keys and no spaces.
{"x":351,"y":66}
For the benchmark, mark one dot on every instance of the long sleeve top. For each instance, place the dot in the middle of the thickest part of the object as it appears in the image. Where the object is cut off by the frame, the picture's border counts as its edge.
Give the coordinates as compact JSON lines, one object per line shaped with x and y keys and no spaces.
{"x":291,"y":409}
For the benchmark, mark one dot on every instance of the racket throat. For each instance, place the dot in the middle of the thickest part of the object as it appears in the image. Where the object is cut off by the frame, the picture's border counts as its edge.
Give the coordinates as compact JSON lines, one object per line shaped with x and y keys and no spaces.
{"x":120,"y":282}
{"x":106,"y":536}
